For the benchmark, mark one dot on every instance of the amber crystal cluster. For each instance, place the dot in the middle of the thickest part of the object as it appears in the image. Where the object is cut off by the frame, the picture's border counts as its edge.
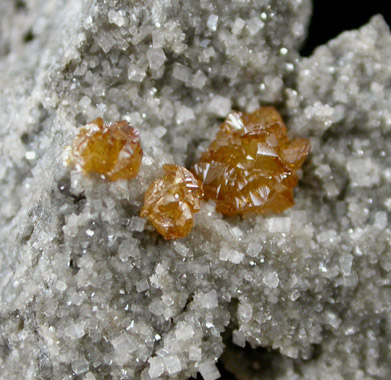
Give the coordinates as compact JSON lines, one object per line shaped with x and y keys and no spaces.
{"x":171,"y":201}
{"x":111,"y":150}
{"x":251,"y":165}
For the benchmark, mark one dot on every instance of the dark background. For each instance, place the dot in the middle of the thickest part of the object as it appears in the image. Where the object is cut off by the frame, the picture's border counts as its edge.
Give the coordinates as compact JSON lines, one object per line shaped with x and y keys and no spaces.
{"x":330,"y":18}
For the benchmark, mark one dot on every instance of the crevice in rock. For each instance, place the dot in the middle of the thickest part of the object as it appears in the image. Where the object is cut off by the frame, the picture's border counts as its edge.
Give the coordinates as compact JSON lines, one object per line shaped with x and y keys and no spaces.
{"x":20,"y":5}
{"x":28,"y":36}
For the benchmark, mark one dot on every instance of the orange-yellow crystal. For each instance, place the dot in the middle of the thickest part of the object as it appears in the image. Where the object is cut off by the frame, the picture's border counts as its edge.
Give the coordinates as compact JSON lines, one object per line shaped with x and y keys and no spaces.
{"x":112,"y":150}
{"x":171,"y":201}
{"x":251,"y":165}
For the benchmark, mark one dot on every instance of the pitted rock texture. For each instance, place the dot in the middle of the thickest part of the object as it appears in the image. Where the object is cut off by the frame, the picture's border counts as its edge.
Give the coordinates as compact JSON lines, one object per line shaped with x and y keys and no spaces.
{"x":89,"y":291}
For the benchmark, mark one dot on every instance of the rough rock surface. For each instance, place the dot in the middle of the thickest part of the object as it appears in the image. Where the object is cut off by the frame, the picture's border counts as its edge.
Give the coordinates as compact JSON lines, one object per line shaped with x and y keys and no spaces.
{"x":89,"y":291}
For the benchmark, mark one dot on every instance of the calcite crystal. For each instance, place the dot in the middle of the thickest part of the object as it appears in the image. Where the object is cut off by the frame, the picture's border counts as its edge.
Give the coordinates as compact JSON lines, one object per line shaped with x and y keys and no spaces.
{"x":112,"y":150}
{"x":251,"y":165}
{"x":171,"y":201}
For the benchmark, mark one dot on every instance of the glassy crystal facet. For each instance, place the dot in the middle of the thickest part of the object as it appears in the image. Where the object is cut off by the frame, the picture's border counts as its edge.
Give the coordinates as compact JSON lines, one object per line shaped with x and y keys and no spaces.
{"x":171,"y":201}
{"x":251,"y":165}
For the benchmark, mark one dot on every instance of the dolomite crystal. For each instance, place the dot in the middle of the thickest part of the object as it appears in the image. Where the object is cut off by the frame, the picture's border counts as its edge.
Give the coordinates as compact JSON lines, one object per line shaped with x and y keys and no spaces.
{"x":171,"y":201}
{"x":250,"y":166}
{"x":112,"y":150}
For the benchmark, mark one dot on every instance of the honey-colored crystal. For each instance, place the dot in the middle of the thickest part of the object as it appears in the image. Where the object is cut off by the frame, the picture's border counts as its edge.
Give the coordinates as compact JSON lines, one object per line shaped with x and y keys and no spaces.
{"x":171,"y":201}
{"x":250,"y":166}
{"x":112,"y":150}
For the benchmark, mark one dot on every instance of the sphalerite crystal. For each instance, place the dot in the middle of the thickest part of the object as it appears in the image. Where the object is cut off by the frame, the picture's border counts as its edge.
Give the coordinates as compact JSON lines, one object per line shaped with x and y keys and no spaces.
{"x":111,"y":150}
{"x":171,"y":201}
{"x":251,"y":165}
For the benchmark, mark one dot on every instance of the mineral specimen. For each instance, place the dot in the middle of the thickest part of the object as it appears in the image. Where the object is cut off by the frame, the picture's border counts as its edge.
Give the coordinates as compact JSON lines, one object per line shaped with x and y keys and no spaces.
{"x":112,"y":150}
{"x":250,"y":166}
{"x":86,"y":294}
{"x":171,"y":201}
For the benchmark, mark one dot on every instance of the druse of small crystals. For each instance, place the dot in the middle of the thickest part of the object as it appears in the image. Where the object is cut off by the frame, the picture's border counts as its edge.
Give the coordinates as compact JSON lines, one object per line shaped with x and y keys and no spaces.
{"x":171,"y":201}
{"x":111,"y":150}
{"x":250,"y":166}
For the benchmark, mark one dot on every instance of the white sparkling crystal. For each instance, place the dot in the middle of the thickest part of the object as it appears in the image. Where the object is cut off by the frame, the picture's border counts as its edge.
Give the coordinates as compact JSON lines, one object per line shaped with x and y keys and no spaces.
{"x":123,"y":343}
{"x":238,"y":26}
{"x":157,"y":38}
{"x":80,"y":366}
{"x":156,"y":58}
{"x":195,"y":354}
{"x":245,"y":311}
{"x":254,"y":25}
{"x":185,"y":114}
{"x":363,"y":172}
{"x":381,"y":220}
{"x":346,"y":263}
{"x":142,"y":285}
{"x":279,"y":224}
{"x":156,"y":367}
{"x":181,"y":249}
{"x":181,"y":73}
{"x":136,"y":73}
{"x":137,"y":224}
{"x":271,"y":280}
{"x":231,"y":255}
{"x":172,"y":364}
{"x":107,"y":42}
{"x":89,"y":376}
{"x":184,"y":332}
{"x":208,"y":300}
{"x":238,"y":338}
{"x":209,"y":370}
{"x":116,"y":18}
{"x":212,"y":22}
{"x":30,"y":155}
{"x":156,"y":307}
{"x":75,"y":330}
{"x":220,"y":106}
{"x":199,"y":79}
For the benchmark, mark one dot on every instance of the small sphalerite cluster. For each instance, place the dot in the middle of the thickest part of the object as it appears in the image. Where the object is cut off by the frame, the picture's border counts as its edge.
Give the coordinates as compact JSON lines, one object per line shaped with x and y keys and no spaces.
{"x":111,"y":150}
{"x":171,"y":201}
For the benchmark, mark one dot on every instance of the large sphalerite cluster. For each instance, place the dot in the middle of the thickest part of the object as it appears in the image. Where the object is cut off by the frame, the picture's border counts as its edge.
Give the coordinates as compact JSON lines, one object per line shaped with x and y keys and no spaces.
{"x":251,"y":165}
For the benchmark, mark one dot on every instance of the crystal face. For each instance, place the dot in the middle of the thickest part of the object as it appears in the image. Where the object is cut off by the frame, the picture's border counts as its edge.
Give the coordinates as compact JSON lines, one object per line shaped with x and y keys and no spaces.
{"x":250,"y":166}
{"x":171,"y":201}
{"x":112,"y":150}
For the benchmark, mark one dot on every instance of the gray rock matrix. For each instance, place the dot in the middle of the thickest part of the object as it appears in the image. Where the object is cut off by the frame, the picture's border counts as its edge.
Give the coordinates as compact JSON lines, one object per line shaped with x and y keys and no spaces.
{"x":87,"y":288}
